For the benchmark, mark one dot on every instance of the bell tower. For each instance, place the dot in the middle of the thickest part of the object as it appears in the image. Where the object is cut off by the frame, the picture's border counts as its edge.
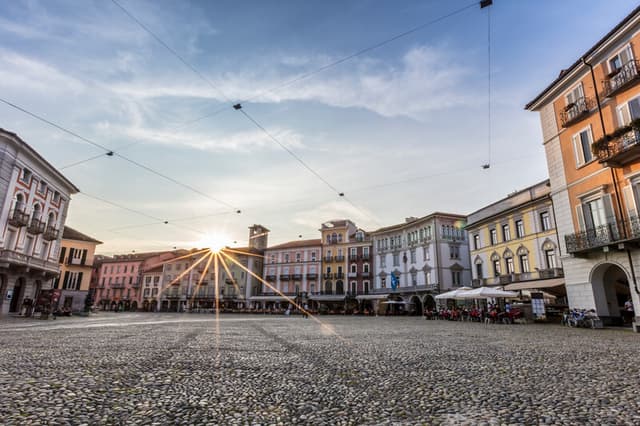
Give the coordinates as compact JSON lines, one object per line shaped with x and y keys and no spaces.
{"x":258,"y":237}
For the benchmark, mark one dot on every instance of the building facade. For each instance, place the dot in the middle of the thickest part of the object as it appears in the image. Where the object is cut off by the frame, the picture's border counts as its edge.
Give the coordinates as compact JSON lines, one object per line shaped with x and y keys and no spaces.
{"x":359,"y":263}
{"x":425,"y":255}
{"x":292,"y":269}
{"x":514,"y":243}
{"x":35,"y":198}
{"x":76,"y":267}
{"x":592,"y":143}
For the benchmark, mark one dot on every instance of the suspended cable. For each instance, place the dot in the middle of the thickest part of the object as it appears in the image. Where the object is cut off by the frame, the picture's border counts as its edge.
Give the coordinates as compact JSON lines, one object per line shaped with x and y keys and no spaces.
{"x":109,"y":152}
{"x":483,"y":4}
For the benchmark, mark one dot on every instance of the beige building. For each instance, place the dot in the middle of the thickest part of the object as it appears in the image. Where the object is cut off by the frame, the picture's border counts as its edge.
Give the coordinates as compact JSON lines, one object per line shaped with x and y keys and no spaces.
{"x":76,"y":264}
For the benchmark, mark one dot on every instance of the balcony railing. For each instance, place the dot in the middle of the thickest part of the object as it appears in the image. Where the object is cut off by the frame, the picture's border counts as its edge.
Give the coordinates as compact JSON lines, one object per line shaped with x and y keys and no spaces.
{"x":339,"y":258}
{"x":270,"y":278}
{"x":312,"y":276}
{"x":576,"y":111}
{"x":285,"y":277}
{"x":51,"y":233}
{"x":32,"y":263}
{"x":365,"y":273}
{"x":620,"y":151}
{"x":339,"y":275}
{"x":539,"y":274}
{"x":328,"y":258}
{"x":296,"y":277}
{"x":604,"y":235}
{"x":353,"y":257}
{"x":365,"y":256}
{"x":327,"y":275}
{"x":36,"y":226}
{"x":621,"y":79}
{"x":18,"y":218}
{"x":353,"y":274}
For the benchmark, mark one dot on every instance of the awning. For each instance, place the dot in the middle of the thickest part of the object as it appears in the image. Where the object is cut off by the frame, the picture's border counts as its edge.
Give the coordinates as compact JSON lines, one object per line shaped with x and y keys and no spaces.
{"x":397,"y":302}
{"x":552,"y":285}
{"x":267,"y":299}
{"x":371,"y":296}
{"x":327,"y":297}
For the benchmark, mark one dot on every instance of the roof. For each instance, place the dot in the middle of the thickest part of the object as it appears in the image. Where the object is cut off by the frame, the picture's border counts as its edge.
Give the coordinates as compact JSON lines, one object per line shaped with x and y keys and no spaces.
{"x":74,"y":189}
{"x":71,"y":234}
{"x":565,"y":72}
{"x":409,"y":224}
{"x":133,"y":257}
{"x":296,"y":244}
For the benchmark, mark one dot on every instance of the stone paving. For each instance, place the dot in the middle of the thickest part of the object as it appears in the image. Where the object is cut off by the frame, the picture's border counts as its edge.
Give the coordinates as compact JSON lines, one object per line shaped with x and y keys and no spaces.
{"x":185,"y":369}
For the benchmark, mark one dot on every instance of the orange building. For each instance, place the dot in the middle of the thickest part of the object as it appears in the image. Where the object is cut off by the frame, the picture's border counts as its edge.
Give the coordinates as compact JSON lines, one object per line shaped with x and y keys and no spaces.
{"x":590,"y":118}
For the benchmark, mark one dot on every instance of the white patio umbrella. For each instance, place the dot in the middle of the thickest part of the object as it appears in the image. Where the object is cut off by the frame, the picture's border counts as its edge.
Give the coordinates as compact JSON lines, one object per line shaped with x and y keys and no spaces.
{"x":486,"y":293}
{"x":453,"y":294}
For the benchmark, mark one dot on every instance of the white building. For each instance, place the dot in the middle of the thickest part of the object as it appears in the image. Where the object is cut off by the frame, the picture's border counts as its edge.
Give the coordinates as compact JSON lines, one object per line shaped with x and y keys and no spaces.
{"x":35,"y":198}
{"x":427,"y":256}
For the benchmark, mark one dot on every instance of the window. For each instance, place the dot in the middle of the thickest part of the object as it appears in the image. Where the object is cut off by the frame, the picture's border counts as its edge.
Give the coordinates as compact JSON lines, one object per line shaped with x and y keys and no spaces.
{"x":42,"y":187}
{"x":272,"y":258}
{"x":56,"y":197}
{"x":383,"y":282}
{"x":286,"y":258}
{"x":476,"y":242}
{"x":519,"y":228}
{"x":454,"y":252}
{"x":524,"y":263}
{"x":479,"y":273}
{"x":427,"y":255}
{"x":365,"y":252}
{"x":354,"y":268}
{"x":506,"y":233}
{"x":365,"y":268}
{"x":396,"y":259}
{"x":154,"y":292}
{"x":26,"y":176}
{"x":146,"y":292}
{"x":413,"y":255}
{"x":496,"y":268}
{"x":509,"y":262}
{"x":147,"y":280}
{"x":629,"y":111}
{"x":582,"y":146}
{"x":620,"y":59}
{"x":383,"y":261}
{"x":298,"y":257}
{"x":427,"y":277}
{"x":494,"y":236}
{"x":125,"y":269}
{"x":595,"y":214}
{"x":550,"y":257}
{"x":575,"y":95}
{"x":313,"y":256}
{"x":545,"y":221}
{"x":455,"y":278}
{"x":414,"y":278}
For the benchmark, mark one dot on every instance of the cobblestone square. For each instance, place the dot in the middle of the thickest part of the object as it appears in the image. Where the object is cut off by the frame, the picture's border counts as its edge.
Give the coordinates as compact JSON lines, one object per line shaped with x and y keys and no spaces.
{"x":188,"y":369}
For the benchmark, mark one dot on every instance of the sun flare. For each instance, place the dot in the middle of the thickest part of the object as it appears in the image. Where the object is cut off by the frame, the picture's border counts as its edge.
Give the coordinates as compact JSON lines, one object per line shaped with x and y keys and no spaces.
{"x":214,"y":242}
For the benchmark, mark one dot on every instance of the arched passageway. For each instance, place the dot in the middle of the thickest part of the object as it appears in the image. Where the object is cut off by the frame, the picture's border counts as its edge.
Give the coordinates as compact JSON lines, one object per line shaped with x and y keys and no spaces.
{"x":611,"y":291}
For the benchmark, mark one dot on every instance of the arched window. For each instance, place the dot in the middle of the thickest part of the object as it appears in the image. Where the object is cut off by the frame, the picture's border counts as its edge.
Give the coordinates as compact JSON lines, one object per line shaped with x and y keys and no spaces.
{"x":37,"y":212}
{"x":51,"y":221}
{"x":19,"y":205}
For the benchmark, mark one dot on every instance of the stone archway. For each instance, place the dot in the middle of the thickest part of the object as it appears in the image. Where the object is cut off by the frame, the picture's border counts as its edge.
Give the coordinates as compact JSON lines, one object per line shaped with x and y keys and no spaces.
{"x":610,"y":285}
{"x":16,"y":297}
{"x":415,"y":305}
{"x":429,"y":302}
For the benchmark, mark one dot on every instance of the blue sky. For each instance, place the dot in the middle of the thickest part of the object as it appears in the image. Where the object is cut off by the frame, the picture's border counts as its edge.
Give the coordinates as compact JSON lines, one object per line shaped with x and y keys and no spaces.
{"x":401,"y":130}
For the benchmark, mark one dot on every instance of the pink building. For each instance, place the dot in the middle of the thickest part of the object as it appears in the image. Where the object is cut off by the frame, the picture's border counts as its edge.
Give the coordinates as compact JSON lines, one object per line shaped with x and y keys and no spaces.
{"x":293,"y":269}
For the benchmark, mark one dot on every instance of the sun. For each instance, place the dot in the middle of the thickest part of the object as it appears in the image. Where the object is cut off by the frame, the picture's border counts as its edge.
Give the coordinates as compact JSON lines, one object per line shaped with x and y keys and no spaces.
{"x":214,"y":242}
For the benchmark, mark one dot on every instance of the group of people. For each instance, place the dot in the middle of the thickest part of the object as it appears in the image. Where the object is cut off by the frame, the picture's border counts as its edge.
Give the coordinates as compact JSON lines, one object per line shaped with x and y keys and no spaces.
{"x":493,"y":313}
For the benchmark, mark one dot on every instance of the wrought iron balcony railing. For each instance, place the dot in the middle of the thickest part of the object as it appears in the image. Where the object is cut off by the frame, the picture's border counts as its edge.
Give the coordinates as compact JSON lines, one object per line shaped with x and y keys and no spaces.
{"x":328,"y":258}
{"x":576,"y":111}
{"x":312,"y":276}
{"x":296,"y":277}
{"x":327,"y":275}
{"x":285,"y":277}
{"x":620,"y":151}
{"x":36,"y":226}
{"x":622,"y":78}
{"x":600,"y":236}
{"x":339,"y":258}
{"x":51,"y":233}
{"x":339,"y":275}
{"x":18,"y":218}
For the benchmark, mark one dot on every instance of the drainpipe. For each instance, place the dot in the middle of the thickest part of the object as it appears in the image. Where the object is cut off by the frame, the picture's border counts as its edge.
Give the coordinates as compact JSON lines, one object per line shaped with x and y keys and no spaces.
{"x":613,"y":177}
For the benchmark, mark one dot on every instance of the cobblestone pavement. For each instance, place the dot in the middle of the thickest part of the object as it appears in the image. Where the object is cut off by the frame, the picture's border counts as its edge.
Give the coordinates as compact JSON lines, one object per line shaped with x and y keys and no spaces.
{"x":183,"y":369}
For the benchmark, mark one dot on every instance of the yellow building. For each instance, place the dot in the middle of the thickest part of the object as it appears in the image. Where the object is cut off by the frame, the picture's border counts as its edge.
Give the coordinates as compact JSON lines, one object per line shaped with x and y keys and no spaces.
{"x":514,"y":243}
{"x":76,"y":263}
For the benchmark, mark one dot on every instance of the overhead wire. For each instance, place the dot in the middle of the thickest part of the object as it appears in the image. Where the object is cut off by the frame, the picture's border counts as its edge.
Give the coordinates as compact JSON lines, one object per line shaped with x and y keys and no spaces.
{"x":109,"y":152}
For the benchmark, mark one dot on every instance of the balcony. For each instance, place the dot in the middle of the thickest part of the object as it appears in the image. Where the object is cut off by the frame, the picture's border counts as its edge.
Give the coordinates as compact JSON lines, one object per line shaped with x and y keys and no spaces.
{"x":576,"y":111}
{"x":36,"y":226}
{"x":285,"y":277}
{"x":332,"y":241}
{"x":296,"y":277}
{"x":328,"y":258}
{"x":499,"y":280}
{"x":352,"y":274}
{"x":312,"y":276}
{"x":353,"y":257}
{"x":339,"y":258}
{"x":327,"y":275}
{"x":538,"y":274}
{"x":18,"y":218}
{"x":10,"y":258}
{"x":621,"y":79}
{"x":51,"y":233}
{"x":270,"y":278}
{"x":603,"y":236}
{"x":365,"y":273}
{"x":365,"y":256}
{"x":619,"y":151}
{"x":339,"y":275}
